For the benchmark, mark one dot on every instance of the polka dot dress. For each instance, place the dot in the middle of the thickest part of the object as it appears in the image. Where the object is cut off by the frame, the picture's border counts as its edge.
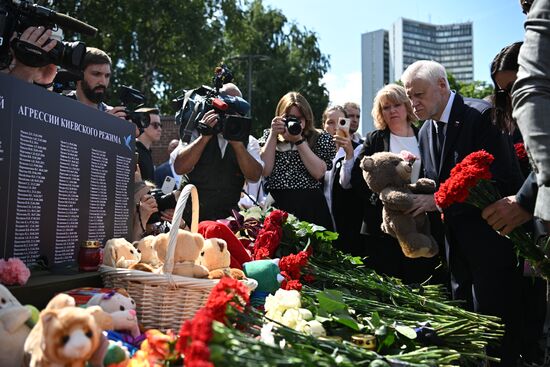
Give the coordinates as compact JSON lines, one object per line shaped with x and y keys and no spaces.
{"x":289,"y":172}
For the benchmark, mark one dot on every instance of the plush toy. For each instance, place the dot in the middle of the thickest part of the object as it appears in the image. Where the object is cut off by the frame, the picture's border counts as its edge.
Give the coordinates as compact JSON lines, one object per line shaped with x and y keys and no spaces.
{"x":266,"y":273}
{"x":239,"y":255}
{"x":389,"y":175}
{"x":146,"y":246}
{"x":66,"y":335}
{"x":13,"y":329}
{"x":216,"y":258}
{"x":120,"y":253}
{"x":268,"y":276}
{"x":122,"y":309}
{"x":188,"y":248}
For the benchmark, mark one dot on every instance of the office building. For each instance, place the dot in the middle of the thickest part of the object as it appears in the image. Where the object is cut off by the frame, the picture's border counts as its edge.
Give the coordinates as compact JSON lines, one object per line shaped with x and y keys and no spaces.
{"x":386,"y":54}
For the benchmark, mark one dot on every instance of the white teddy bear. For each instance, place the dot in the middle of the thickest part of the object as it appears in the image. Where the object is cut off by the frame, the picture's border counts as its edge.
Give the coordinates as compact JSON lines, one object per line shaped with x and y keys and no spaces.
{"x":13,"y":329}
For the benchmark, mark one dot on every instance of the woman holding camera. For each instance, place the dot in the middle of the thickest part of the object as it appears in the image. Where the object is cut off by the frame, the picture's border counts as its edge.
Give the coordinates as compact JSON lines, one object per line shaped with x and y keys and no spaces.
{"x":296,"y":157}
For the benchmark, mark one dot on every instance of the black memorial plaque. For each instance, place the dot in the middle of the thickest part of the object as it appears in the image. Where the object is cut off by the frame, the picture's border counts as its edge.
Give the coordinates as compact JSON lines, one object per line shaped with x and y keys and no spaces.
{"x":66,"y":174}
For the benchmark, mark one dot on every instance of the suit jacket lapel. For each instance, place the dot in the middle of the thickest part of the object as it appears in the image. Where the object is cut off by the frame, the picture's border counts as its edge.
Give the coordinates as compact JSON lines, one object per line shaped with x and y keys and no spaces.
{"x":453,"y":128}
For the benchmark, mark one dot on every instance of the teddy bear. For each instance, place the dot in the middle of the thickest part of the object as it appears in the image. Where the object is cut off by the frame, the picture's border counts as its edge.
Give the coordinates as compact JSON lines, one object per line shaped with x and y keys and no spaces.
{"x":389,"y":175}
{"x":216,"y":258}
{"x":120,"y":253}
{"x":13,"y":328}
{"x":146,"y":246}
{"x":66,"y":335}
{"x":122,"y":309}
{"x":188,"y":248}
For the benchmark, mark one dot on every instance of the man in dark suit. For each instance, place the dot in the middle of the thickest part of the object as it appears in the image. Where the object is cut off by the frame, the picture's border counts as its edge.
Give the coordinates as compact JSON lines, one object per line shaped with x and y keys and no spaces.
{"x":483,"y":265}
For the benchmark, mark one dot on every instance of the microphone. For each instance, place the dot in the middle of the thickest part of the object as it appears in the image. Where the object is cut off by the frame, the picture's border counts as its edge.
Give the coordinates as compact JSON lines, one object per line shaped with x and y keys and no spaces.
{"x":63,"y":20}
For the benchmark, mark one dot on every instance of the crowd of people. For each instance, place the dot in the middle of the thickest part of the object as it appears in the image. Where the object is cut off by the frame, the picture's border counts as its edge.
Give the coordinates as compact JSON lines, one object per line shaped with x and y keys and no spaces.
{"x":315,"y":173}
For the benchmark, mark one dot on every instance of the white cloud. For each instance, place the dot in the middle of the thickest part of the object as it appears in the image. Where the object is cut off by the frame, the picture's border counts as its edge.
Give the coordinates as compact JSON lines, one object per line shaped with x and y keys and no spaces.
{"x":343,"y":88}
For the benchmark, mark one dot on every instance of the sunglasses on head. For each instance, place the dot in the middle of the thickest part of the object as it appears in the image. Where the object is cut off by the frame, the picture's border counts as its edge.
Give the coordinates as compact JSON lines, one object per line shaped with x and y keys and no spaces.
{"x":156,"y":125}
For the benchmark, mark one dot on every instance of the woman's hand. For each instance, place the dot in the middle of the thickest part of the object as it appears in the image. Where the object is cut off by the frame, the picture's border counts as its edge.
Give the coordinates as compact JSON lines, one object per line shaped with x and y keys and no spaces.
{"x":278,"y":126}
{"x":147,"y":206}
{"x":346,"y":144}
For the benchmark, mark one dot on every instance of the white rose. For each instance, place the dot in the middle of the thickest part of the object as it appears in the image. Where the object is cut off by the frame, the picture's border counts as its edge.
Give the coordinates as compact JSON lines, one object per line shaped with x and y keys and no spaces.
{"x":305,"y":313}
{"x":291,"y":318}
{"x":315,"y":328}
{"x":289,"y":299}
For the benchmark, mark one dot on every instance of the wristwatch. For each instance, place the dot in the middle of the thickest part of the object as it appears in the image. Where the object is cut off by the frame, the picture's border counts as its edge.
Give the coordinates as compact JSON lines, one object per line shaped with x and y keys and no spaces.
{"x":300,"y":141}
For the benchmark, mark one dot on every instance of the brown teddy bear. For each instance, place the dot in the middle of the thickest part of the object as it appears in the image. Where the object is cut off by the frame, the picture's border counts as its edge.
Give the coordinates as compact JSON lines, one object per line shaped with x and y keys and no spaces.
{"x":188,"y":248}
{"x":389,"y":175}
{"x":216,"y":258}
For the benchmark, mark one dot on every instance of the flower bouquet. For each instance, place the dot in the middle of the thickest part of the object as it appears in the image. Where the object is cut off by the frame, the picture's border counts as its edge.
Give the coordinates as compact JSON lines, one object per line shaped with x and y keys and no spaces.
{"x":470,"y":182}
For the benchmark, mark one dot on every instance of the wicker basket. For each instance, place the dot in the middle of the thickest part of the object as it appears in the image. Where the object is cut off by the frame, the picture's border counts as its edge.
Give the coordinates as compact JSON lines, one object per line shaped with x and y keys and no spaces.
{"x":164,"y":301}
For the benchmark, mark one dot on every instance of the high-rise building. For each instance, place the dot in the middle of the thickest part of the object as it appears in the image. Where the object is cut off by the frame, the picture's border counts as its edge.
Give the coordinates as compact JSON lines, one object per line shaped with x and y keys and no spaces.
{"x":386,"y":54}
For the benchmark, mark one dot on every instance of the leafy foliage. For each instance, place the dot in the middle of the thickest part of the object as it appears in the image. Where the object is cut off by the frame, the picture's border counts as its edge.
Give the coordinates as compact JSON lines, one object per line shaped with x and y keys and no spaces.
{"x":163,"y":46}
{"x":476,"y":89}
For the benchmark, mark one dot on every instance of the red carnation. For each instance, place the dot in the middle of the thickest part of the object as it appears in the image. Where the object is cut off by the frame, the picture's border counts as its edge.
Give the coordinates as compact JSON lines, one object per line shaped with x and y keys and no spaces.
{"x":464,"y":176}
{"x":293,"y":264}
{"x":288,"y":285}
{"x":195,"y":334}
{"x":521,"y":153}
{"x":270,"y":235}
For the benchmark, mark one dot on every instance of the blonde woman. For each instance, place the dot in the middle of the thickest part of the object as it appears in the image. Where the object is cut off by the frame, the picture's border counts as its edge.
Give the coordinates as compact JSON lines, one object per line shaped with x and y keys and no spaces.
{"x":393,"y":119}
{"x":295,"y":161}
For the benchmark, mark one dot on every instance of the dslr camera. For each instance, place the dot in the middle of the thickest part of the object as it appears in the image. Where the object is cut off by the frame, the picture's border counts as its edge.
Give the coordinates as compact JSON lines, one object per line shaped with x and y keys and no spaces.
{"x":164,"y":201}
{"x":231,"y":110}
{"x":133,"y":100}
{"x":18,"y":15}
{"x":293,"y":125}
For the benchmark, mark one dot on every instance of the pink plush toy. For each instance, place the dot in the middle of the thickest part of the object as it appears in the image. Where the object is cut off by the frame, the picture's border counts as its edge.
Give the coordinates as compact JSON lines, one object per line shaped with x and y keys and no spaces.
{"x":121,"y":307}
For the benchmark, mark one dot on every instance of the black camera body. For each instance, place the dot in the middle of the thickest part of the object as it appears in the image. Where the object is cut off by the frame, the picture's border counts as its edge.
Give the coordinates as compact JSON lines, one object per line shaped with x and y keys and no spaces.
{"x":194,"y":104}
{"x":164,"y":201}
{"x":133,"y":99}
{"x":18,"y":15}
{"x":293,"y":125}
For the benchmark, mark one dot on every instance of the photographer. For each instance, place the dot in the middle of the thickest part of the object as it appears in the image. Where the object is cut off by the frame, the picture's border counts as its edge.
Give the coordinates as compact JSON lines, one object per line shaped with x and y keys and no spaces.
{"x":296,"y":157}
{"x":218,"y":167}
{"x":39,"y":37}
{"x":150,"y":135}
{"x":92,"y":89}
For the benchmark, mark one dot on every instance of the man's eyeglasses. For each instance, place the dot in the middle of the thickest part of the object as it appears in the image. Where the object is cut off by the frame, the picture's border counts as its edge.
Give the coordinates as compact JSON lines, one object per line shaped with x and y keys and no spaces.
{"x":156,"y":125}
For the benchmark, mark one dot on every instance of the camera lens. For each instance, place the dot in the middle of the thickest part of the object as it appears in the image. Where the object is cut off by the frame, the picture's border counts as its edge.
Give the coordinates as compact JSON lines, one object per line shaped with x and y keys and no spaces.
{"x":293,"y":125}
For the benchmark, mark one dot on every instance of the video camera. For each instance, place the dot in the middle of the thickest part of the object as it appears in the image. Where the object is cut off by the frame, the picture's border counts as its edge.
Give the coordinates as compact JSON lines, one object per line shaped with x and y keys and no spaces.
{"x":133,"y":99}
{"x":18,"y":15}
{"x":231,"y":110}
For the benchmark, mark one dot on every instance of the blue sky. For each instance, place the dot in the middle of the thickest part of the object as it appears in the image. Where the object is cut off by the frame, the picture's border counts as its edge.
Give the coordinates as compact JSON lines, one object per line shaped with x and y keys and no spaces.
{"x":340,"y":23}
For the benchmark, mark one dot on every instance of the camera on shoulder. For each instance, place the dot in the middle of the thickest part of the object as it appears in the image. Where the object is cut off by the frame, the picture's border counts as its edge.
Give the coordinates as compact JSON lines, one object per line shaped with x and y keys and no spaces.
{"x":231,"y":110}
{"x":16,"y":16}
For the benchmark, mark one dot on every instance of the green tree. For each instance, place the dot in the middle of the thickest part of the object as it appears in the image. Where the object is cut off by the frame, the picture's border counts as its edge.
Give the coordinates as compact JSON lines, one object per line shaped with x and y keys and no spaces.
{"x":475,"y":89}
{"x":157,"y":46}
{"x":162,"y":46}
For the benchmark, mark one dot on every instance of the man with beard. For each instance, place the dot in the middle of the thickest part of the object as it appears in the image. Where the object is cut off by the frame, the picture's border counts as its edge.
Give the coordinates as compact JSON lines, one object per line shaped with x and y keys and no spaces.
{"x":92,"y":89}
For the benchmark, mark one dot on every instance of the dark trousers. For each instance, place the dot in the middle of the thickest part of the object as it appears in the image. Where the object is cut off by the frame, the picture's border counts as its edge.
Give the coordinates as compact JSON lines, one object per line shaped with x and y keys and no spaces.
{"x":384,"y":255}
{"x":485,"y":273}
{"x":306,"y":204}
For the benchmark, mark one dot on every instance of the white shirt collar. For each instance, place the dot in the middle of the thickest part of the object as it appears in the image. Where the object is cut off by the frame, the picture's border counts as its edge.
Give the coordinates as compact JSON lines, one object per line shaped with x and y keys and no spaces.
{"x":447,"y":111}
